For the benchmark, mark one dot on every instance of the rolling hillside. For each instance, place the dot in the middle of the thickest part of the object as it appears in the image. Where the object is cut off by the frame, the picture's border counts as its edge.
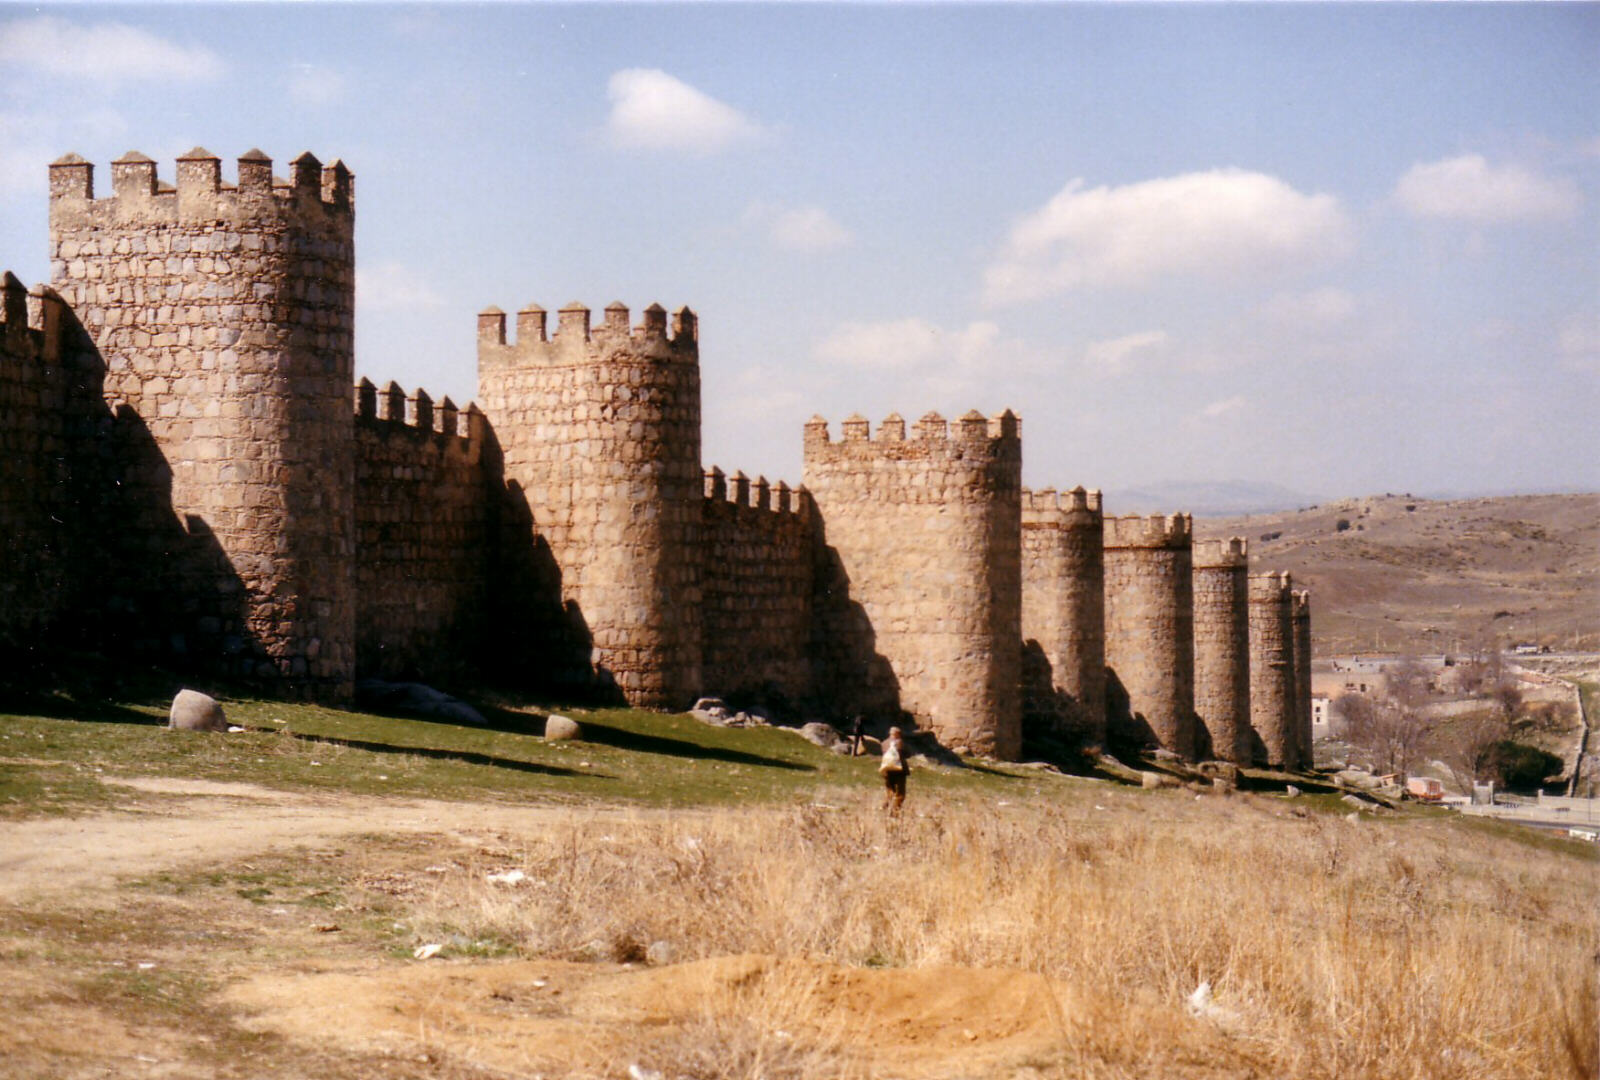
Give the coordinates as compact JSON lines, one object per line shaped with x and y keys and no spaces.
{"x":1408,"y":574}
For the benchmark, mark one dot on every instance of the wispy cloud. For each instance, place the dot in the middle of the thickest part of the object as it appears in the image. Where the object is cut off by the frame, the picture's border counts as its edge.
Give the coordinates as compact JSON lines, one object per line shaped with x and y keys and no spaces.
{"x":312,"y":85}
{"x":945,"y":362}
{"x":30,"y":141}
{"x":651,"y":110}
{"x":1216,"y":223}
{"x":107,"y":52}
{"x":800,"y":228}
{"x":393,"y":285}
{"x":1468,"y":188}
{"x":1225,"y":407}
{"x":1113,"y":356}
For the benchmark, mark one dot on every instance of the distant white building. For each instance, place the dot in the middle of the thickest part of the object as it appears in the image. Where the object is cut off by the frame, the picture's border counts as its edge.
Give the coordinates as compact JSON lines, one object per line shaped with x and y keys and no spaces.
{"x":1325,"y":717}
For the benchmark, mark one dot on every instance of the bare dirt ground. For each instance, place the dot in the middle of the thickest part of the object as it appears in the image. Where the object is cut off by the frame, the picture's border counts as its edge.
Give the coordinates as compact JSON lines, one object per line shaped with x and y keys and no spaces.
{"x":130,"y":948}
{"x":1415,"y":575}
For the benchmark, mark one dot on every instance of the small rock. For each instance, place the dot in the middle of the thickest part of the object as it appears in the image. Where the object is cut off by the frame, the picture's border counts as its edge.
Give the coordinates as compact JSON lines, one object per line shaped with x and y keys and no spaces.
{"x":558,"y":728}
{"x":507,"y":877}
{"x":659,"y":953}
{"x":639,"y":1072}
{"x":1291,"y":791}
{"x":1150,"y":779}
{"x":427,"y":952}
{"x":821,"y":734}
{"x":713,"y":711}
{"x":194,"y":711}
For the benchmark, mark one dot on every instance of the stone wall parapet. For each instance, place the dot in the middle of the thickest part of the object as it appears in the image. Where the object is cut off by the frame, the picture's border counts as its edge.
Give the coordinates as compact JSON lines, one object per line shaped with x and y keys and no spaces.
{"x":315,"y":191}
{"x":1152,"y":531}
{"x":1221,"y":554}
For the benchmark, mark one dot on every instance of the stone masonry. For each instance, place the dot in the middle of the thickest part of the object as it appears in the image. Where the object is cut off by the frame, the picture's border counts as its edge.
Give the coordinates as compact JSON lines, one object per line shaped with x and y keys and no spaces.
{"x":224,"y":315}
{"x":189,"y":474}
{"x":1150,"y":632}
{"x":1063,"y":614}
{"x":601,"y":428}
{"x":1300,"y":624}
{"x":1272,"y":670}
{"x":1222,"y":647}
{"x":928,"y":533}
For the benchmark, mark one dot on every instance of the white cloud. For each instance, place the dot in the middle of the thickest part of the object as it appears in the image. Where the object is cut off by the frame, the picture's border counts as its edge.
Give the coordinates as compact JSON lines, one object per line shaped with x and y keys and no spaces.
{"x":392,"y":285}
{"x":1224,"y":407}
{"x":107,"y":52}
{"x":1113,"y":355}
{"x":800,"y":228}
{"x":916,"y":345}
{"x":310,"y":84}
{"x":808,"y":228}
{"x":1470,"y":189}
{"x":946,"y":362}
{"x":651,"y":110}
{"x":1211,"y":224}
{"x":30,"y":141}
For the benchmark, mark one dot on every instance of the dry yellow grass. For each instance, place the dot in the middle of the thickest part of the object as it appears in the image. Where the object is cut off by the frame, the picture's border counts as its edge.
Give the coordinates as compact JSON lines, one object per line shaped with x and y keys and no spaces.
{"x":1333,"y":948}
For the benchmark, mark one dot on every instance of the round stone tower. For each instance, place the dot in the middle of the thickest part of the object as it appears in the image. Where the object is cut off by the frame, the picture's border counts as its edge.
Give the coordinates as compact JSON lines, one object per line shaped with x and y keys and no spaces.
{"x":1272,"y":669}
{"x":224,"y":316}
{"x":927,"y":531}
{"x":600,"y":425}
{"x":1149,"y":598}
{"x":1222,"y":647}
{"x":1300,"y":621}
{"x":1063,"y":612}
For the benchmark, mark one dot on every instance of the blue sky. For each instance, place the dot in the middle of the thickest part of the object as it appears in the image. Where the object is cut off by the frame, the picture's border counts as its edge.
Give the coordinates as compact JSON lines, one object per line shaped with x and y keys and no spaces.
{"x":1340,"y":249}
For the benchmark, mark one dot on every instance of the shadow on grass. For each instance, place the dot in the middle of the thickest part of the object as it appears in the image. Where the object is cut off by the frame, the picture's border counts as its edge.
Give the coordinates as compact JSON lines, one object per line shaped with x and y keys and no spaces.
{"x":465,"y":757}
{"x":63,"y":707}
{"x":622,"y":739}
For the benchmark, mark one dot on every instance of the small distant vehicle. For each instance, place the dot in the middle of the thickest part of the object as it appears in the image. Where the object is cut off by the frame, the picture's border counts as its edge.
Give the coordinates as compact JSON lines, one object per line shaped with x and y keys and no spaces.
{"x":1425,"y":789}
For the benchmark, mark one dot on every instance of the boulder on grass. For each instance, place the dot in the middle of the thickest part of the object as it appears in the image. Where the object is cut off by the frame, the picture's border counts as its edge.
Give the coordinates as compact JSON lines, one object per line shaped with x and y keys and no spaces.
{"x":558,"y":728}
{"x":194,"y":711}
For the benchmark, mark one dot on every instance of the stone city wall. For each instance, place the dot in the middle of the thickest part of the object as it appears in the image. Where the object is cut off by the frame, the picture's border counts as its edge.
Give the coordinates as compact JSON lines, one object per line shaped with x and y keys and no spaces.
{"x":1149,"y":596}
{"x":422,"y":531}
{"x":756,"y":589}
{"x":923,"y":535}
{"x":1272,"y":670}
{"x":1222,"y":647}
{"x":600,"y":431}
{"x":223,"y":314}
{"x":1063,"y":614}
{"x":46,"y":420}
{"x":1300,"y":625}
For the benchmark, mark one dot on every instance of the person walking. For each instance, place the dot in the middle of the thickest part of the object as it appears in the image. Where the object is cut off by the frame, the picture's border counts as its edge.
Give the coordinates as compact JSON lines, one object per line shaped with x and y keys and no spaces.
{"x":894,"y":769}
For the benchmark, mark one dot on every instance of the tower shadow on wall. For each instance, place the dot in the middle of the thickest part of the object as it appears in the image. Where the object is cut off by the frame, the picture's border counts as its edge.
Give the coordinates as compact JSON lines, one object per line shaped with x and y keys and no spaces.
{"x":533,"y":639}
{"x":155,"y":587}
{"x":848,"y":673}
{"x":1127,"y":731}
{"x":1054,"y":727}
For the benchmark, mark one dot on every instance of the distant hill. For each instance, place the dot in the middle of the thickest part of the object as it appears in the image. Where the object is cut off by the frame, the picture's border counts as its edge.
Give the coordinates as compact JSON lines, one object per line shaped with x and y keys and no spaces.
{"x":1410,"y":574}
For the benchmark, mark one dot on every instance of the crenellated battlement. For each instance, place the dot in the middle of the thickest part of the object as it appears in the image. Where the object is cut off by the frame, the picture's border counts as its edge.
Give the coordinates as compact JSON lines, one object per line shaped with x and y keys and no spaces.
{"x":932,"y":436}
{"x":31,"y":323}
{"x":392,"y":409}
{"x":1221,"y":554}
{"x":314,"y":193}
{"x":1273,"y":587}
{"x":575,"y":328}
{"x":1154,"y":531}
{"x":1048,"y":508}
{"x":740,"y":491}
